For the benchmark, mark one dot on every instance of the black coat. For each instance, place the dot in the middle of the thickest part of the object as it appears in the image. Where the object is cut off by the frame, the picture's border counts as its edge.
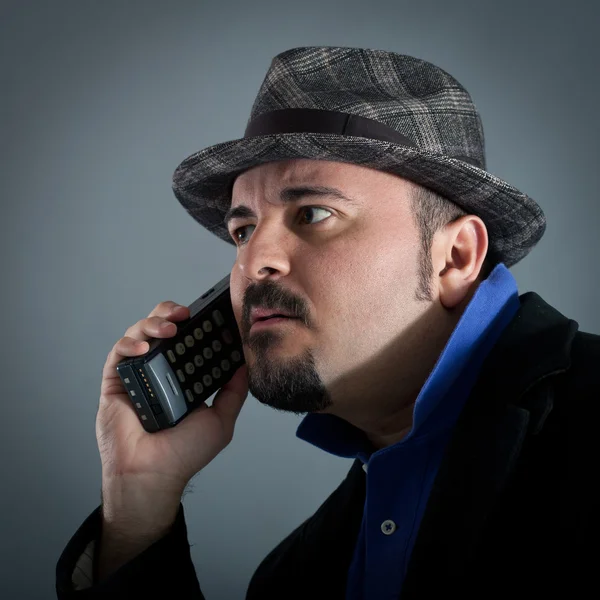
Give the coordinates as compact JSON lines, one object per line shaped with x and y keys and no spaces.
{"x":509,"y":515}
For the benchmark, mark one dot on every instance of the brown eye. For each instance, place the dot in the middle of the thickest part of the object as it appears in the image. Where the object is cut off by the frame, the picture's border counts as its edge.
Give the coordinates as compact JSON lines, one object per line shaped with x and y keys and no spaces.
{"x":301,"y":210}
{"x":235,"y":234}
{"x":313,"y":208}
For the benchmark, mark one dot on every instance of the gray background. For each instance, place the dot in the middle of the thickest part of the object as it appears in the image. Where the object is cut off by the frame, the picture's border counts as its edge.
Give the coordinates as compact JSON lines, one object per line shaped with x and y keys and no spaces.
{"x":100,"y":101}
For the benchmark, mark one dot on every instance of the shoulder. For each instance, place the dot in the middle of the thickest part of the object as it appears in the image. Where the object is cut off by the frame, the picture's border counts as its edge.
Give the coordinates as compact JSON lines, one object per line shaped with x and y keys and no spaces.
{"x":581,"y":378}
{"x":574,"y":398}
{"x":585,"y":352}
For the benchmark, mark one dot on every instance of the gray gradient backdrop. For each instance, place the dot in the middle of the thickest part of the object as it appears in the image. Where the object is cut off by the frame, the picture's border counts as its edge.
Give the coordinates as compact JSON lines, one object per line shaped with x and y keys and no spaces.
{"x":100,"y":101}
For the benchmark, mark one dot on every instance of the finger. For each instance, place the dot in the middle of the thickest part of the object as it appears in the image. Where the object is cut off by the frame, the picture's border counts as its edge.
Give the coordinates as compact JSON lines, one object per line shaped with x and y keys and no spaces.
{"x":149,"y":326}
{"x":135,"y":341}
{"x":170,"y":309}
{"x":126,"y":347}
{"x":230,"y":398}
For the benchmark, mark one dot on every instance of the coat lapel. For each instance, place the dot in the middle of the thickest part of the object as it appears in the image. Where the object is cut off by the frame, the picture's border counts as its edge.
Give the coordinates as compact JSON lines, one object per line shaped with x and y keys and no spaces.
{"x":503,"y":407}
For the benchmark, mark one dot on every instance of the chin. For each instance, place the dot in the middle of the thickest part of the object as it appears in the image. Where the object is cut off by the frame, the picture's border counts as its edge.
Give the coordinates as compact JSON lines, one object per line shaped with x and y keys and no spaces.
{"x":291,"y":384}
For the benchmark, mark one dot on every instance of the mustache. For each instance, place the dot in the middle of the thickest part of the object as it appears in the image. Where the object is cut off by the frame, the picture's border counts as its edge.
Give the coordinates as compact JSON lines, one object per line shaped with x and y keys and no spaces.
{"x":272,"y":296}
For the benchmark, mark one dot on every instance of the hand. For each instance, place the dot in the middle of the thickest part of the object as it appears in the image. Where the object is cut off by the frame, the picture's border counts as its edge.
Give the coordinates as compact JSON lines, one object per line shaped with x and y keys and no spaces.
{"x":168,"y":458}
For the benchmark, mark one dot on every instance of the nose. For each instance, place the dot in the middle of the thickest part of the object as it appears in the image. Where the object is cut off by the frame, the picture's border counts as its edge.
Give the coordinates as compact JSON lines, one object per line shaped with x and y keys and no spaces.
{"x":267,"y":252}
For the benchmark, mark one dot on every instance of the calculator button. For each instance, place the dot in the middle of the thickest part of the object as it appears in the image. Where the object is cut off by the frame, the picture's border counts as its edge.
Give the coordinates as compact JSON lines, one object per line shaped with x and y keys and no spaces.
{"x":216,"y":372}
{"x":198,"y":387}
{"x":235,"y":356}
{"x":198,"y":333}
{"x":171,"y":356}
{"x":189,"y":395}
{"x":198,"y":360}
{"x":227,"y":337}
{"x":208,"y":353}
{"x":218,"y":317}
{"x":207,"y":326}
{"x":189,"y":341}
{"x":225,"y":364}
{"x":216,"y":345}
{"x":180,"y":375}
{"x":189,"y":368}
{"x":180,"y":348}
{"x":207,"y":379}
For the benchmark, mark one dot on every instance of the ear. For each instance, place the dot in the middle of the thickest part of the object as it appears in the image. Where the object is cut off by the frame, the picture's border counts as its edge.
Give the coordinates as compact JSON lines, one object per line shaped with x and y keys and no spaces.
{"x":458,"y":252}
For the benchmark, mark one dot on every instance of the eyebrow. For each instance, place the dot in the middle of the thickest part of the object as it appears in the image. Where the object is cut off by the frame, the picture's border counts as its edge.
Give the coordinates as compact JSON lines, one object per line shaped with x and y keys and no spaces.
{"x":287,"y":195}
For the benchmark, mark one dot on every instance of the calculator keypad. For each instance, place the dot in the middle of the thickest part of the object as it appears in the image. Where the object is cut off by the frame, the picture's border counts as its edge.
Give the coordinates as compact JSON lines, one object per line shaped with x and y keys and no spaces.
{"x":201,"y":359}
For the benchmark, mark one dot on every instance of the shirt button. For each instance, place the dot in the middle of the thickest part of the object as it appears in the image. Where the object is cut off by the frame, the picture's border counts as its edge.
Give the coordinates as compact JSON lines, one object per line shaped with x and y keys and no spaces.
{"x":388,"y":527}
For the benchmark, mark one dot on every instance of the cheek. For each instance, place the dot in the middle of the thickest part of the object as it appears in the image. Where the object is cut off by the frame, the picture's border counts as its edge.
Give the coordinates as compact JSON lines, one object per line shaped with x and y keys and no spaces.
{"x":368,"y":287}
{"x":237,"y":297}
{"x":374,"y":259}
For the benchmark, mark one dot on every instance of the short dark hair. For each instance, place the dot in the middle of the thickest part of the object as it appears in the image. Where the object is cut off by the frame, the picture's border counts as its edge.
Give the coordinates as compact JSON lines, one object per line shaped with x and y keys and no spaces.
{"x":432,"y":212}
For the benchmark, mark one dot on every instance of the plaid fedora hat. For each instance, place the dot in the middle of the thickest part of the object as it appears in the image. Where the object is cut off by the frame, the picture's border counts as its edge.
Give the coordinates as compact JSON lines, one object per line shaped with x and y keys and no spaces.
{"x":378,"y":109}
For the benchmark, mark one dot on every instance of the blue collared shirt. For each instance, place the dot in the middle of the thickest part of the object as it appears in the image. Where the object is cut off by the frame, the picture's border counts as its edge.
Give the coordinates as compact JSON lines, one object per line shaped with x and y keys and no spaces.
{"x":400,"y":477}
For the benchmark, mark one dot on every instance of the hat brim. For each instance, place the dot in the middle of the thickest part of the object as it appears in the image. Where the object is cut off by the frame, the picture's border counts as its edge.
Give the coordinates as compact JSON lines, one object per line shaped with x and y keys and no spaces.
{"x":202,"y":182}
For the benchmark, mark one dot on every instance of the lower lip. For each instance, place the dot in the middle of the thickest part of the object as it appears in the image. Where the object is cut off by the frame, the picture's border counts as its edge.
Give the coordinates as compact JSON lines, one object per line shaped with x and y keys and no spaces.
{"x":269,"y":322}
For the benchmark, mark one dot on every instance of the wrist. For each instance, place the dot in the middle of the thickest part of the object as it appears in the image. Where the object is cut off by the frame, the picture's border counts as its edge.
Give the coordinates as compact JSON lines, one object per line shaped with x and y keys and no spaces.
{"x":135,"y":515}
{"x":139,"y":503}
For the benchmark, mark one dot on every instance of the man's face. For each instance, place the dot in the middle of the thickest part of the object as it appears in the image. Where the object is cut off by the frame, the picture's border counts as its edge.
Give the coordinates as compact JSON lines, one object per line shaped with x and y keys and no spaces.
{"x":347,"y":269}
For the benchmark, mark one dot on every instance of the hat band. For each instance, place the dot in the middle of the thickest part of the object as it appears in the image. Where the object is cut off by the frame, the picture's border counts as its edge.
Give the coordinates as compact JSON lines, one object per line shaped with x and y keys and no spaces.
{"x":312,"y":120}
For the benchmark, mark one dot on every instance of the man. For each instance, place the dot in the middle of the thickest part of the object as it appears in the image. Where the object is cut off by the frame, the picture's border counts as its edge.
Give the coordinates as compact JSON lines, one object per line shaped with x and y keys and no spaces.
{"x":405,"y":341}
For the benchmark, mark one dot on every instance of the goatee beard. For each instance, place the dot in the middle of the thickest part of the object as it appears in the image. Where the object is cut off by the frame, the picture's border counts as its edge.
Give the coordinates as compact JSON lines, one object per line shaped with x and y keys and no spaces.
{"x":286,"y":384}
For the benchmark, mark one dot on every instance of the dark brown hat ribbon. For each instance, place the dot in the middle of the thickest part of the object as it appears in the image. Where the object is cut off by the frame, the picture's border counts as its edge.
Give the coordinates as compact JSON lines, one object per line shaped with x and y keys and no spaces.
{"x":312,"y":120}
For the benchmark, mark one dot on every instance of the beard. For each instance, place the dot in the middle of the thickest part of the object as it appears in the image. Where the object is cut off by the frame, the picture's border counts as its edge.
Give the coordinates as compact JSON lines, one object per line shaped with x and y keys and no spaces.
{"x":290,"y":384}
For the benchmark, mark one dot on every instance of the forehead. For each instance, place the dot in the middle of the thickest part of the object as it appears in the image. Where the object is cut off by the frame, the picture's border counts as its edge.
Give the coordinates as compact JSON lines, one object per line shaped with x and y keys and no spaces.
{"x":285,"y":172}
{"x":274,"y":176}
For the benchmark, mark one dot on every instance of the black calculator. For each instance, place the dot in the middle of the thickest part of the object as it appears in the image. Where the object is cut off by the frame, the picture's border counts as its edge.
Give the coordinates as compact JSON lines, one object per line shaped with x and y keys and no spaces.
{"x":178,"y":374}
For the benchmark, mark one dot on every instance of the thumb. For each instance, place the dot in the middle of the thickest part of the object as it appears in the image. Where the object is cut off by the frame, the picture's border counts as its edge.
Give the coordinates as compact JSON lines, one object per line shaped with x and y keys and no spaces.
{"x":230,"y":398}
